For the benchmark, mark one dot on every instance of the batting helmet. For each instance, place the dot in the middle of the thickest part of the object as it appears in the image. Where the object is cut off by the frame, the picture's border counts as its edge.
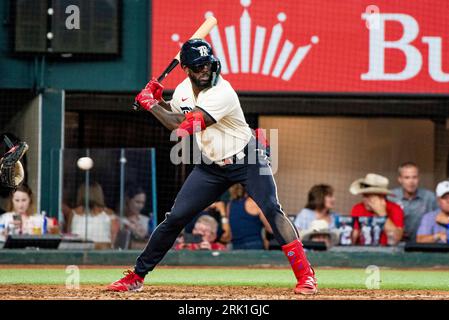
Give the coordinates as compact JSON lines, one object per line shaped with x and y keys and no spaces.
{"x":197,"y":52}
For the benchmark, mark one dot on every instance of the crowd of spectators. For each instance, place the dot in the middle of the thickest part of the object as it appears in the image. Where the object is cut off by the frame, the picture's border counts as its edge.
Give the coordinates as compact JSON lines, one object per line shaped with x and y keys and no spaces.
{"x":381,"y":217}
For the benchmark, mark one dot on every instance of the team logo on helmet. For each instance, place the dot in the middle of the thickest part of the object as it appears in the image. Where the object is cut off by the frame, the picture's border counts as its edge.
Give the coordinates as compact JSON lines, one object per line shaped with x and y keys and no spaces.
{"x":196,"y":51}
{"x":204,"y":52}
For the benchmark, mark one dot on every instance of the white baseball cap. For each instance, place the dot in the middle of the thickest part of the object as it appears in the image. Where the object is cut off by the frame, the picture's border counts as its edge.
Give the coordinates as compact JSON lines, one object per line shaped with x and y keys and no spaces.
{"x":442,"y":188}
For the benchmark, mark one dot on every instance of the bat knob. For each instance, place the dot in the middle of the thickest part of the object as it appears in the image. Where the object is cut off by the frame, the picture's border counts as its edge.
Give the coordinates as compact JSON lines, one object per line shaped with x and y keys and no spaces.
{"x":136,"y":106}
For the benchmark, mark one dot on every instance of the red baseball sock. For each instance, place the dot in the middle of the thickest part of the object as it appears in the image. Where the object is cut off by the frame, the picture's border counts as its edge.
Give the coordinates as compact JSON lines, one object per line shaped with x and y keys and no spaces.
{"x":297,"y":258}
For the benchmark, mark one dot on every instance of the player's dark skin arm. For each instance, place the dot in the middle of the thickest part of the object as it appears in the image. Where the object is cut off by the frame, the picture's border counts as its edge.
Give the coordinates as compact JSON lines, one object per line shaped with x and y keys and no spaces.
{"x":172,"y":120}
{"x":164,"y":105}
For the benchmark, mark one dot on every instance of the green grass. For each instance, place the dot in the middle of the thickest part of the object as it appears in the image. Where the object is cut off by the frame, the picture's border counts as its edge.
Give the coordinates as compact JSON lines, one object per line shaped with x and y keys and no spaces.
{"x":327,"y":278}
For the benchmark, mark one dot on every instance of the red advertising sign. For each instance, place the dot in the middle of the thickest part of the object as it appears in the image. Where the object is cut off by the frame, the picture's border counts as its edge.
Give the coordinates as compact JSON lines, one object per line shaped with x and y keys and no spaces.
{"x":314,"y":45}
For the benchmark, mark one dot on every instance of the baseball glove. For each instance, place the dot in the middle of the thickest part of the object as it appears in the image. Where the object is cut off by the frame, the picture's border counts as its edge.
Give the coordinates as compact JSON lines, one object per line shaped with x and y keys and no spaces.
{"x":11,"y":170}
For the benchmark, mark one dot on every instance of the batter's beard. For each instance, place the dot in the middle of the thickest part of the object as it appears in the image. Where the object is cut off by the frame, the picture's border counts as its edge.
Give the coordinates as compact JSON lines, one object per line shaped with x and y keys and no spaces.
{"x":201,"y":84}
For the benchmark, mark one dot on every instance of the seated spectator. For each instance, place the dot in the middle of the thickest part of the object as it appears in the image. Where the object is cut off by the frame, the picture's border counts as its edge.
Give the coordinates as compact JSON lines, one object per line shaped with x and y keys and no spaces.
{"x":217,"y":210}
{"x":134,"y":220}
{"x":374,"y":190}
{"x":246,"y":220}
{"x":434,"y":227}
{"x":102,"y":224}
{"x":320,"y":202}
{"x":206,"y":231}
{"x":21,"y":218}
{"x":319,"y":231}
{"x":415,"y":201}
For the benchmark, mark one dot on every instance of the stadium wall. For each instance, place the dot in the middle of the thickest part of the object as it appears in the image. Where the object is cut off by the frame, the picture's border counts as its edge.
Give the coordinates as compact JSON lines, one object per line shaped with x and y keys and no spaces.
{"x":244,"y":258}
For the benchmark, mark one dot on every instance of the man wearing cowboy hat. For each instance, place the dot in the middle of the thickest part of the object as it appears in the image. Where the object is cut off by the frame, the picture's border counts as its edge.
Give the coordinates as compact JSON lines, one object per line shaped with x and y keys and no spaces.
{"x":374,"y":190}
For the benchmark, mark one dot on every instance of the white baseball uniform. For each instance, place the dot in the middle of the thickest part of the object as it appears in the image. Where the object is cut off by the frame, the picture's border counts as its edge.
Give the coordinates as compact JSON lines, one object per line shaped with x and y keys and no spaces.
{"x":230,"y":134}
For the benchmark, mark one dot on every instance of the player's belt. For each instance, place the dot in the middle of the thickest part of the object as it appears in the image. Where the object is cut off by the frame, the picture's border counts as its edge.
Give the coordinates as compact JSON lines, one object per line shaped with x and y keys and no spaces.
{"x":231,"y":160}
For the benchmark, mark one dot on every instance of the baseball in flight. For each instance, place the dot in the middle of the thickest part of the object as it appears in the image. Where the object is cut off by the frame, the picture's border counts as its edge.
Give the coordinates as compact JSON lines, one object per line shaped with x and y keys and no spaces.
{"x":85,"y":163}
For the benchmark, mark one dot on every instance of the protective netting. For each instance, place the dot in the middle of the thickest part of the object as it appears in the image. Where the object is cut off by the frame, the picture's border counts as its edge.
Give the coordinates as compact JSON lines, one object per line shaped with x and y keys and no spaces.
{"x":121,"y":185}
{"x":337,"y":151}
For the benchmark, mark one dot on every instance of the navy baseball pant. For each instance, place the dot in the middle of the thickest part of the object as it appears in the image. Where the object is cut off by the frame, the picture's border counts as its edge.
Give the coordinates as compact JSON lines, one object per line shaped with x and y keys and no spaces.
{"x":205,"y":184}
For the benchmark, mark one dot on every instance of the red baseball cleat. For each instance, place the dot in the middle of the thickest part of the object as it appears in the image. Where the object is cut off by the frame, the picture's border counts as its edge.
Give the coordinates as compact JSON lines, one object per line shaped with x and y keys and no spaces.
{"x":305,"y":275}
{"x":130,"y":282}
{"x":307,"y":284}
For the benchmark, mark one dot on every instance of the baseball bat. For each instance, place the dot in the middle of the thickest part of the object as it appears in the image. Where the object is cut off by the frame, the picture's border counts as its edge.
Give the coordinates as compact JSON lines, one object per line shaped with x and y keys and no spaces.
{"x":201,"y":32}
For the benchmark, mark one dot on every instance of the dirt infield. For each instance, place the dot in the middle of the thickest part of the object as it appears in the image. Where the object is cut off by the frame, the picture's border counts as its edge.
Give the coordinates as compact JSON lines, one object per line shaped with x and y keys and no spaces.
{"x":96,"y":292}
{"x":196,"y":292}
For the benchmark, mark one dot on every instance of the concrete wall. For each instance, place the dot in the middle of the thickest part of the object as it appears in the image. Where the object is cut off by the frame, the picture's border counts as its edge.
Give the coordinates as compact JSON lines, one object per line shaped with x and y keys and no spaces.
{"x":257,"y":258}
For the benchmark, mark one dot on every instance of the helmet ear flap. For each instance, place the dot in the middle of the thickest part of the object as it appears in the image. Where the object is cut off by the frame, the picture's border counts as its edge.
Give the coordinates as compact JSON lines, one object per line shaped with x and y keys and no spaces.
{"x":214,"y":65}
{"x":216,"y":69}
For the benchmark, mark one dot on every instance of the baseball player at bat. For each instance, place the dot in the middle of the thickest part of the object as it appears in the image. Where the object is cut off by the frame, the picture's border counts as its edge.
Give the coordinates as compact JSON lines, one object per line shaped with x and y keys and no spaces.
{"x":205,"y":105}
